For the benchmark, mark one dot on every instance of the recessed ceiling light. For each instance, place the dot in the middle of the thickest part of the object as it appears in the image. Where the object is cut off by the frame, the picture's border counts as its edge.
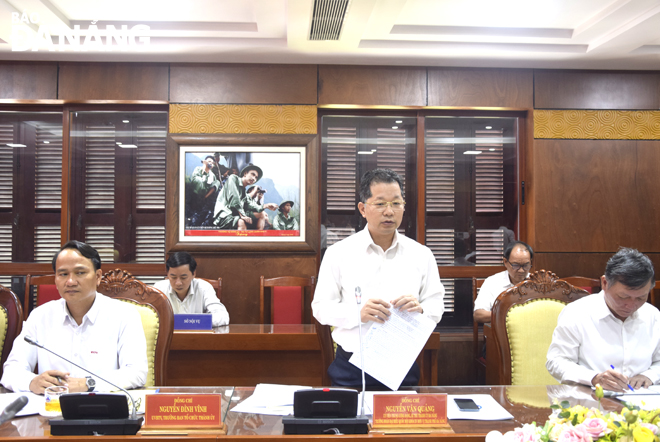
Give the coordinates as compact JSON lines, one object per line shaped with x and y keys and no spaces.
{"x":374,"y":150}
{"x":16,"y":145}
{"x":472,"y":152}
{"x":118,"y":143}
{"x":491,"y":149}
{"x":365,"y":152}
{"x":489,"y":127}
{"x":395,"y":127}
{"x":125,"y":121}
{"x":129,"y":146}
{"x":46,"y":142}
{"x":399,"y":121}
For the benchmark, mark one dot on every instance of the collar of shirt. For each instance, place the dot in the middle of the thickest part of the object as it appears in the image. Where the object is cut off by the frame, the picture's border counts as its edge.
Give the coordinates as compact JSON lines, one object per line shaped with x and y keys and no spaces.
{"x":369,"y":244}
{"x":602,"y":311}
{"x":91,"y":316}
{"x":174,"y":295}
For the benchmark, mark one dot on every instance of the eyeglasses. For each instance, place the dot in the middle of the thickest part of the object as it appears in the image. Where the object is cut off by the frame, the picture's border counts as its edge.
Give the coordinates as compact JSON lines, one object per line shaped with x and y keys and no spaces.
{"x":517,"y":267}
{"x":396,"y":206}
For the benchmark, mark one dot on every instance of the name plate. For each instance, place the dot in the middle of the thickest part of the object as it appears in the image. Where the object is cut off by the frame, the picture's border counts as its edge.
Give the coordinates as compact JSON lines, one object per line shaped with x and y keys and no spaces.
{"x":183,"y":410}
{"x":193,"y":321}
{"x":410,"y":411}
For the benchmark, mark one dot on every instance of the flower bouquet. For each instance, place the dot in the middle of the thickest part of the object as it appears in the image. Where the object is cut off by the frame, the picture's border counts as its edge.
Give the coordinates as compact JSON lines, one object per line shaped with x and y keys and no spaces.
{"x":581,"y":424}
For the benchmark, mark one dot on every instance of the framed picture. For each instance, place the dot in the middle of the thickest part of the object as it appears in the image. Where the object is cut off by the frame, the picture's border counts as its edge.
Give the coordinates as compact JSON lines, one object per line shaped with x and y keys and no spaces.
{"x":243,"y":193}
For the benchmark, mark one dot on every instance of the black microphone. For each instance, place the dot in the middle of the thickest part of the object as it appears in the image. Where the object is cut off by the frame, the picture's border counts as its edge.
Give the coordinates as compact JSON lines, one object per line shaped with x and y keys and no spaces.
{"x":13,"y":408}
{"x":35,"y":343}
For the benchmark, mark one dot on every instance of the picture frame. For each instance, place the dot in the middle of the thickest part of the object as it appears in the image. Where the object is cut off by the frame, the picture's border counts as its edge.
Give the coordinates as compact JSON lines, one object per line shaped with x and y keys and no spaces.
{"x":197,"y":222}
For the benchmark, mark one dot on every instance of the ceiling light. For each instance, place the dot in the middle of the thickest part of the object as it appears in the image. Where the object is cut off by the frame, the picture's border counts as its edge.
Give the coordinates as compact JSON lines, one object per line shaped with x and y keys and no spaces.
{"x":399,"y":121}
{"x":118,"y":143}
{"x":472,"y":152}
{"x":491,"y":149}
{"x":365,"y":152}
{"x":489,"y":127}
{"x":16,"y":145}
{"x":395,"y":127}
{"x":129,"y":146}
{"x":374,"y":150}
{"x":46,"y":142}
{"x":125,"y":121}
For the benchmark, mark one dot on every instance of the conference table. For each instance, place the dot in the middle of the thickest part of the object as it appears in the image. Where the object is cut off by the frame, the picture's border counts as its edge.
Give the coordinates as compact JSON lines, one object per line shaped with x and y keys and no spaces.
{"x":525,"y":403}
{"x":249,"y":354}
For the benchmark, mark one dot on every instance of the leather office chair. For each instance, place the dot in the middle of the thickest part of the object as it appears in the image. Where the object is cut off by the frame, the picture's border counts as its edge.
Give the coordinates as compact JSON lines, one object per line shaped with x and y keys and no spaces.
{"x":286,"y":303}
{"x":589,"y":284}
{"x":44,"y":291}
{"x":217,"y":285}
{"x":156,"y":313}
{"x":524,"y":318}
{"x":479,"y":359}
{"x":11,"y":322}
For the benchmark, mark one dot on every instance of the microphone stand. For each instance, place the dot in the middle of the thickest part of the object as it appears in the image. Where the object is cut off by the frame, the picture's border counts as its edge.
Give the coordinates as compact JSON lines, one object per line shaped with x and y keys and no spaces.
{"x":36,"y":344}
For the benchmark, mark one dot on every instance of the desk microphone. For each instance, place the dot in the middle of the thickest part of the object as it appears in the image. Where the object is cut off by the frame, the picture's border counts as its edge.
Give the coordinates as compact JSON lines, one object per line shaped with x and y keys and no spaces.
{"x":13,"y":408}
{"x":36,"y":344}
{"x":358,"y":300}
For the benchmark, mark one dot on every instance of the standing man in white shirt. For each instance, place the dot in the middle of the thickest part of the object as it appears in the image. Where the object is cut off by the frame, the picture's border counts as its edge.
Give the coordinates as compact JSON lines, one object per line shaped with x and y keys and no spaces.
{"x":188,"y":294}
{"x":101,"y":334}
{"x":390,"y":270}
{"x":611,"y":338}
{"x":517,"y":258}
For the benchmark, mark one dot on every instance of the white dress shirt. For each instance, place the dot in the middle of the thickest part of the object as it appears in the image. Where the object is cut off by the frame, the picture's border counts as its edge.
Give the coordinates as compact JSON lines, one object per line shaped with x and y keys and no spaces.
{"x":589,"y":339}
{"x":406,"y":268}
{"x":109,"y":342}
{"x":201,"y":298}
{"x":491,"y":289}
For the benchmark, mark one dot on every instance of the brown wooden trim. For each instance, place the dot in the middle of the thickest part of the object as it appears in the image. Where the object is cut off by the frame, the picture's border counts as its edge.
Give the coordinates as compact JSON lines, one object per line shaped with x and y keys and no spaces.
{"x":526,"y":213}
{"x":421,"y":181}
{"x":65,"y":213}
{"x":358,"y":107}
{"x":469,"y":271}
{"x":25,"y":268}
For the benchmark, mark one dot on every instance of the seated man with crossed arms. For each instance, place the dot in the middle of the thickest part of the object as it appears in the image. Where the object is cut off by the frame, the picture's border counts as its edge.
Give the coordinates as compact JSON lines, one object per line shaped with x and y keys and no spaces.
{"x":611,"y":338}
{"x":101,"y":334}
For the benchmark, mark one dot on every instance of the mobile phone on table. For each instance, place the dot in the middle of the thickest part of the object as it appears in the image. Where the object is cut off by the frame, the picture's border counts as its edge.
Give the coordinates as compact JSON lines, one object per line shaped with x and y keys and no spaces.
{"x":467,"y":405}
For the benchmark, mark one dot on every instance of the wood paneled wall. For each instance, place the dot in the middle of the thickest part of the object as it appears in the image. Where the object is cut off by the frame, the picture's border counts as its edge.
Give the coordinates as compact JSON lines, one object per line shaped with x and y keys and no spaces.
{"x":28,"y":81}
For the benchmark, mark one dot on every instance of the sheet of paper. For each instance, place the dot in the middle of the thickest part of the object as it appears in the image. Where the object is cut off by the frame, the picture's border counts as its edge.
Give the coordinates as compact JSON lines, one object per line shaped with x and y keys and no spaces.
{"x":390,"y":349}
{"x":645,"y":398}
{"x":490,"y":409}
{"x":34,"y":406}
{"x":271,"y":399}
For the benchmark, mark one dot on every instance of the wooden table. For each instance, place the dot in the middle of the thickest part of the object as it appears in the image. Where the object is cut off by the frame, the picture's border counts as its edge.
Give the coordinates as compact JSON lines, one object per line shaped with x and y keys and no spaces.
{"x":246,"y":354}
{"x":525,"y":403}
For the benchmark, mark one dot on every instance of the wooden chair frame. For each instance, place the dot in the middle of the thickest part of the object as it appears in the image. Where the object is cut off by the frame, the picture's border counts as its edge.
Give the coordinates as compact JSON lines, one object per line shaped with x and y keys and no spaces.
{"x":14,"y":321}
{"x":540,"y":285}
{"x":479,"y":362}
{"x":283,"y":281}
{"x":120,"y":284}
{"x":33,"y":281}
{"x":217,"y":285}
{"x":582,"y":281}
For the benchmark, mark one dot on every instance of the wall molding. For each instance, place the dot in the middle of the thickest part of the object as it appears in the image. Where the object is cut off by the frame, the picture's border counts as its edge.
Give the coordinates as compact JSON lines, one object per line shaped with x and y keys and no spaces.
{"x":597,"y":124}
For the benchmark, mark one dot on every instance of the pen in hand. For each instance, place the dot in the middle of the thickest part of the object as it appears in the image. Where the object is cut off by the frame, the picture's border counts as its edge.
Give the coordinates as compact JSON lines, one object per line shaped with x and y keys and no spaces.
{"x":631,"y":389}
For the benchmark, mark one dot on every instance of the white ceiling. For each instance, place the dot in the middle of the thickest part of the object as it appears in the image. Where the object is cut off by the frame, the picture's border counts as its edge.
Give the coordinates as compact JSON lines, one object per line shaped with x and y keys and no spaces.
{"x":574,"y":34}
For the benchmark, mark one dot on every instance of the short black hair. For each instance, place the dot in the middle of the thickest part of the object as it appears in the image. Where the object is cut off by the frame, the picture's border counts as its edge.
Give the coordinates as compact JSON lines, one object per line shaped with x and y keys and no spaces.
{"x":209,"y":156}
{"x":85,"y":250}
{"x":512,"y":245}
{"x":180,"y":259}
{"x":631,"y":268}
{"x":376,"y":176}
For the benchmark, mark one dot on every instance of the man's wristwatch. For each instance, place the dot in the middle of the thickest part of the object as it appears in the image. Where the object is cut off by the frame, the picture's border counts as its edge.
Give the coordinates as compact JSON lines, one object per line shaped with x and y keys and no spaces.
{"x":91,"y":383}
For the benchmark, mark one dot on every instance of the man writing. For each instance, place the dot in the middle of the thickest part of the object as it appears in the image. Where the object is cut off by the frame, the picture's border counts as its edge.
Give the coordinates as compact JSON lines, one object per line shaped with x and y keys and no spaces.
{"x":611,"y":338}
{"x":392,"y":271}
{"x":232,"y":203}
{"x":188,"y":294}
{"x":517,"y":258}
{"x":99,"y":333}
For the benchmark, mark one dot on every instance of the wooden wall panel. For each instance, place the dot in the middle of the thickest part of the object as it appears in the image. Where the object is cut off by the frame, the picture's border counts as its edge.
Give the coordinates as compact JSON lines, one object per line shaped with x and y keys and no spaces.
{"x":113,"y":81}
{"x":591,"y":265}
{"x":240,"y":278}
{"x":372,"y":85}
{"x":481,"y":87}
{"x":596,"y":90}
{"x":243,"y":84}
{"x":596,"y":195}
{"x":28,"y":81}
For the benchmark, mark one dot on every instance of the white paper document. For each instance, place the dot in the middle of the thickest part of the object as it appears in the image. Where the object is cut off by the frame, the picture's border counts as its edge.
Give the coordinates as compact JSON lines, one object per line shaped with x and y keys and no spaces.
{"x":271,"y":399}
{"x":490,"y":409}
{"x":34,"y":406}
{"x":645,"y":398}
{"x":390,"y":349}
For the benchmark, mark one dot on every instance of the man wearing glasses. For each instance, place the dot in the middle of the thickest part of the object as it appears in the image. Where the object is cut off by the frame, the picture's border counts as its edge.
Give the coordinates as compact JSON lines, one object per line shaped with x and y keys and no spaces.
{"x":387,"y":268}
{"x":518,"y":261}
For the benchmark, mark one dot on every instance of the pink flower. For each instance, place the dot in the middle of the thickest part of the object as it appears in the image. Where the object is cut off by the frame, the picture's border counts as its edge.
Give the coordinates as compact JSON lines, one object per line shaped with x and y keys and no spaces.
{"x":528,"y":433}
{"x":651,"y":427}
{"x":594,"y":426}
{"x":575,"y":434}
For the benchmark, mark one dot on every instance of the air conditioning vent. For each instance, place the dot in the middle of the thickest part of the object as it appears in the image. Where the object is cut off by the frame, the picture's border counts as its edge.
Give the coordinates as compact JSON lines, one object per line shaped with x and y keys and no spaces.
{"x":328,"y":19}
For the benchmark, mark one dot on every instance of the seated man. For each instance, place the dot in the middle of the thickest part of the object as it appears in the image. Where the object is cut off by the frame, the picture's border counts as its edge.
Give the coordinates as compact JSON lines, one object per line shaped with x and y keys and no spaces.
{"x":611,"y":338}
{"x":188,"y":294}
{"x":283,"y":220}
{"x":517,"y":259}
{"x":232,"y":204}
{"x":96,"y":332}
{"x":391,"y":270}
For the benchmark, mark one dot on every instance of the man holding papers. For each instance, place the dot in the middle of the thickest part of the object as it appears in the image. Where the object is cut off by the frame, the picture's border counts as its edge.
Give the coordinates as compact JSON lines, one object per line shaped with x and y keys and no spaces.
{"x":611,"y":338}
{"x":389,"y":270}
